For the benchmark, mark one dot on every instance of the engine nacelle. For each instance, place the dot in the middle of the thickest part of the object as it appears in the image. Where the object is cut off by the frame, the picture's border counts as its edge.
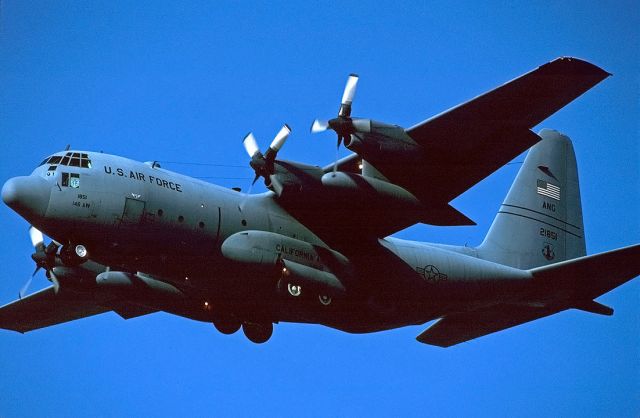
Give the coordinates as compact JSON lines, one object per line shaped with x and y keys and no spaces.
{"x":376,"y":141}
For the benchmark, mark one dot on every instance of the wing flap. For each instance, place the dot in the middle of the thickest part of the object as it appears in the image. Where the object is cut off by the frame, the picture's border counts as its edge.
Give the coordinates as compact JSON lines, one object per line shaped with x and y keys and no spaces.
{"x":45,"y":308}
{"x":455,"y":329}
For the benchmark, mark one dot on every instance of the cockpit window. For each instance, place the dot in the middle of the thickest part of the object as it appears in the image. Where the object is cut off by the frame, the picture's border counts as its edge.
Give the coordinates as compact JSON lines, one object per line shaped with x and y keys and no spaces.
{"x":73,"y":159}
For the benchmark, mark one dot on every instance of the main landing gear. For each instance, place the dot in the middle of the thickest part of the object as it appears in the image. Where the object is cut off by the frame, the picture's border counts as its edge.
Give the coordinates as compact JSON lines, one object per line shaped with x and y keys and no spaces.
{"x":227,"y":326}
{"x":256,"y":332}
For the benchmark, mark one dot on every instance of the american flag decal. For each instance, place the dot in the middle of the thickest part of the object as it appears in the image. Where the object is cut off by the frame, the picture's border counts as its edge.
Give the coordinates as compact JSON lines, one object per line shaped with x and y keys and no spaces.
{"x":548,"y":189}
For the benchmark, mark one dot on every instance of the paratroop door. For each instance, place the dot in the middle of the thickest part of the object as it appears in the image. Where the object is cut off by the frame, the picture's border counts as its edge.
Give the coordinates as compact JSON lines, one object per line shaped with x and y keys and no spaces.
{"x":133,"y":212}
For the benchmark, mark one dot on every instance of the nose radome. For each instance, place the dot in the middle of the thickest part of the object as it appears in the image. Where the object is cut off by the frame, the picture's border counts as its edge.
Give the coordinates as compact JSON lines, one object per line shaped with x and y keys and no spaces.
{"x":28,"y":196}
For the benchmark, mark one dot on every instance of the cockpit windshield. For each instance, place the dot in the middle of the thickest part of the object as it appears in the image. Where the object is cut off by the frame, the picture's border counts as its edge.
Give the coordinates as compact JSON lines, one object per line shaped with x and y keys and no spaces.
{"x":72,"y":159}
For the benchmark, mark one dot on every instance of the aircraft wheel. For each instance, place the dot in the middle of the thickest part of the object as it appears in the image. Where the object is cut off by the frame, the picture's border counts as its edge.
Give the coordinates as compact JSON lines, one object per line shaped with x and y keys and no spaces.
{"x":257,"y":333}
{"x":227,"y":326}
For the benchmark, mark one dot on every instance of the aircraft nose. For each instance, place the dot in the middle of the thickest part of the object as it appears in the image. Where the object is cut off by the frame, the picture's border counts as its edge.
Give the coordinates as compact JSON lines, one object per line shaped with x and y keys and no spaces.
{"x":29,"y":196}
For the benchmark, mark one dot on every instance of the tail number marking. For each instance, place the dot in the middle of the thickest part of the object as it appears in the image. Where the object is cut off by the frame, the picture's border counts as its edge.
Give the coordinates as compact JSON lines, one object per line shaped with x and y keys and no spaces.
{"x":547,"y":233}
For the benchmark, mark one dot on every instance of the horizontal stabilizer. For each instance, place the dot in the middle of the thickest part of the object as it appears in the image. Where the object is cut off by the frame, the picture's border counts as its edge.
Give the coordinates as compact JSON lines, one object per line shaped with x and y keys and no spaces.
{"x":588,"y":277}
{"x":458,"y":328}
{"x":577,"y":282}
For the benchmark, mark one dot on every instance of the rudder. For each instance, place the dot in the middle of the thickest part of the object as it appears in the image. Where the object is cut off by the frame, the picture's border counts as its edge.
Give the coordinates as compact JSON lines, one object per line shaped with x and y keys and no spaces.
{"x":540,"y":221}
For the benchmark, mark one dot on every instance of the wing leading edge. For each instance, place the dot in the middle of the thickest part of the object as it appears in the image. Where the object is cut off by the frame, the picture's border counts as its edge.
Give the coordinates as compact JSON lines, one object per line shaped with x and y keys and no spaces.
{"x":45,"y":308}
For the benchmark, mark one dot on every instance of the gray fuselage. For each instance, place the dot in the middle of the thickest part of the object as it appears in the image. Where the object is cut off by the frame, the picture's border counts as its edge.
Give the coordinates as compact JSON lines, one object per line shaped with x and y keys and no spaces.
{"x":138,"y":217}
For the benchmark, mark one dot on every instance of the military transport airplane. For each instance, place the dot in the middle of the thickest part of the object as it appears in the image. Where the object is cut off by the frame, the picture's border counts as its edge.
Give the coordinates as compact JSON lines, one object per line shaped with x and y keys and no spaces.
{"x":135,"y":238}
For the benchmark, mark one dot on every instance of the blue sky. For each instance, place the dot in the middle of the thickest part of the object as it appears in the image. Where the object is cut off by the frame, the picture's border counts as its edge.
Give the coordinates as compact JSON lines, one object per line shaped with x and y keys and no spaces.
{"x":184,"y":82}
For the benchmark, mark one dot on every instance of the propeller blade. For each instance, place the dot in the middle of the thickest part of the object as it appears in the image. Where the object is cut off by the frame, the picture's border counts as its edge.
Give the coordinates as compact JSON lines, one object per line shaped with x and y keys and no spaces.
{"x":23,"y":290}
{"x":347,"y":96}
{"x":280,"y":138}
{"x":319,"y":126}
{"x":36,"y":236}
{"x":250,"y":144}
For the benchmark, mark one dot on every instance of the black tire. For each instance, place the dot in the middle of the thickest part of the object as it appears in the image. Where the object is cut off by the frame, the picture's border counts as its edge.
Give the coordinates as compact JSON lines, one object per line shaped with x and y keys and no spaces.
{"x":227,"y":326}
{"x":257,"y":333}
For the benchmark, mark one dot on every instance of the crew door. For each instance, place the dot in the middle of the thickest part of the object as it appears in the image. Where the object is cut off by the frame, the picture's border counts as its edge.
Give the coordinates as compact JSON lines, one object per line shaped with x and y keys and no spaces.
{"x":133,"y":213}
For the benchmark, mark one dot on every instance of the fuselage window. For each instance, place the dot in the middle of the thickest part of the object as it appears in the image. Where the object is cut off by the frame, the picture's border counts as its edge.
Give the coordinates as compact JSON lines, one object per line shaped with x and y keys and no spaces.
{"x":71,"y":180}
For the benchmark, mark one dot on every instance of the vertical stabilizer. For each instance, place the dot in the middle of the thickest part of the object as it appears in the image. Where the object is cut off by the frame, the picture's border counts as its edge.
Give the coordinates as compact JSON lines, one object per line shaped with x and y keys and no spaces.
{"x":540,"y":221}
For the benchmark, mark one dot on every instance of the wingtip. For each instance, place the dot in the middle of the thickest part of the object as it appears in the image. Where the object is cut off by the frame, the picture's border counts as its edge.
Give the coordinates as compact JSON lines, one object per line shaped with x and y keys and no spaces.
{"x":576,"y":66}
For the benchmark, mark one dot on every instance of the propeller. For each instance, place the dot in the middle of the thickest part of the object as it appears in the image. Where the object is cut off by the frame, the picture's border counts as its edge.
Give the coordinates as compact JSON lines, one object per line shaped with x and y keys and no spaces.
{"x":342,"y":124}
{"x":263,"y":164}
{"x":44,"y":257}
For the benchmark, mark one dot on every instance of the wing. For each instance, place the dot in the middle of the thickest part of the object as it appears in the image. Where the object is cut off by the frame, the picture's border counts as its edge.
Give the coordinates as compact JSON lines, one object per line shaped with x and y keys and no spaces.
{"x":465,"y":144}
{"x":46,"y":308}
{"x":457,"y":149}
{"x":458,"y":328}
